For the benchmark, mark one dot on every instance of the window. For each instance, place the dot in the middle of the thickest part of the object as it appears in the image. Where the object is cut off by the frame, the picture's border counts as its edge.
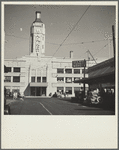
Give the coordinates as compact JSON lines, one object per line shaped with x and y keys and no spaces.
{"x":76,"y":89}
{"x":38,"y":79}
{"x":60,"y":89}
{"x":60,"y":70}
{"x":68,"y":90}
{"x":7,"y":79}
{"x":8,"y":92}
{"x":32,"y":79}
{"x":68,"y":80}
{"x":68,"y":71}
{"x":8,"y":69}
{"x":16,"y":69}
{"x":43,"y":79}
{"x":32,"y":43}
{"x":16,"y":79}
{"x":86,"y":70}
{"x":33,"y":91}
{"x":60,"y":79}
{"x":76,"y":71}
{"x":15,"y":90}
{"x":76,"y":78}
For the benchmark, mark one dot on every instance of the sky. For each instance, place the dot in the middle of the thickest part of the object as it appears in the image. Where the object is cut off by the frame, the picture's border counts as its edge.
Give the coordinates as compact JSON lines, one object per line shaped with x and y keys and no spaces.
{"x":91,"y":33}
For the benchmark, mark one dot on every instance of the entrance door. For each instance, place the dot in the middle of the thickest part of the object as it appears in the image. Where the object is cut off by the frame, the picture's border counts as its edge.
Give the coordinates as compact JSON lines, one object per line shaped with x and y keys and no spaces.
{"x":33,"y":93}
{"x":38,"y":93}
{"x":43,"y":91}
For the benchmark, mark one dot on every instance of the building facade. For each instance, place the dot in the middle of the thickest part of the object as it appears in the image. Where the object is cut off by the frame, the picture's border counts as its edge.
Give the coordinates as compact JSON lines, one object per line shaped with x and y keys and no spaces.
{"x":39,"y":75}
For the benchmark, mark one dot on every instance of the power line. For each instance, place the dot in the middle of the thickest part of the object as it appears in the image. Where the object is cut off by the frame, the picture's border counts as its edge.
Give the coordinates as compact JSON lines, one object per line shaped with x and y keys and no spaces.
{"x":85,"y":42}
{"x":82,"y":42}
{"x":17,"y":36}
{"x":66,"y":36}
{"x":101,"y":49}
{"x":71,"y":31}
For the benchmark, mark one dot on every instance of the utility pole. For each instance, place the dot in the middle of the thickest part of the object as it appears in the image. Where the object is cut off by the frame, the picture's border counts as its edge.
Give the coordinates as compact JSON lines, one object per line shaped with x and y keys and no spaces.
{"x":84,"y":76}
{"x":113,"y":32}
{"x":109,"y":44}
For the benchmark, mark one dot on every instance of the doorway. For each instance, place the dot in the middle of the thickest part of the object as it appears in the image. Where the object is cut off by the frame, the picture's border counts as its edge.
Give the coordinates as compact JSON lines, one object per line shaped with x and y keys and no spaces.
{"x":38,"y":91}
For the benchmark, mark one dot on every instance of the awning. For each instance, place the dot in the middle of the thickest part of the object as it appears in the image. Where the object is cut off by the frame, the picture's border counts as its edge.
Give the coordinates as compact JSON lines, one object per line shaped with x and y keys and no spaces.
{"x":38,"y":84}
{"x":102,"y":77}
{"x":102,"y":71}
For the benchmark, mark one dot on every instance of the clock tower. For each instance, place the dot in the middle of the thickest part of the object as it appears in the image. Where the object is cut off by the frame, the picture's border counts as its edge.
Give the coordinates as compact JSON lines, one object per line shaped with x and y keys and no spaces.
{"x":37,"y":36}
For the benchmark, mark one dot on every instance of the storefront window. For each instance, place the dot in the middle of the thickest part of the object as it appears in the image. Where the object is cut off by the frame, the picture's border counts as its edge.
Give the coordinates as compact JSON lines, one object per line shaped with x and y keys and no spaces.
{"x":8,"y":92}
{"x":68,"y":90}
{"x":15,"y":90}
{"x":60,"y":89}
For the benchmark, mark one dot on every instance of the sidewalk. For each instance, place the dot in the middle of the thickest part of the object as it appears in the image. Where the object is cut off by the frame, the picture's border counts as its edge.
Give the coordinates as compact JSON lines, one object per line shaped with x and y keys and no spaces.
{"x":37,"y":96}
{"x":69,"y":99}
{"x":10,"y":100}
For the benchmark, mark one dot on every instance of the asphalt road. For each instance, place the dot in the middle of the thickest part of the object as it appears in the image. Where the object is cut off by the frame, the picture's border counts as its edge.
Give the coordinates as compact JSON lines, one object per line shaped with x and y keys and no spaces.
{"x":53,"y":106}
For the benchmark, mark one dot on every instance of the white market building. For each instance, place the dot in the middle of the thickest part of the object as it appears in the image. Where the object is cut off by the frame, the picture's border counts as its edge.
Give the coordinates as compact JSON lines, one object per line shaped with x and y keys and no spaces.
{"x":39,"y":75}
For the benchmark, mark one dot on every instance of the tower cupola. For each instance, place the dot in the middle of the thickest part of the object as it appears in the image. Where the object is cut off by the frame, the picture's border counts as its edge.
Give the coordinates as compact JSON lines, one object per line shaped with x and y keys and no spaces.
{"x":38,"y":17}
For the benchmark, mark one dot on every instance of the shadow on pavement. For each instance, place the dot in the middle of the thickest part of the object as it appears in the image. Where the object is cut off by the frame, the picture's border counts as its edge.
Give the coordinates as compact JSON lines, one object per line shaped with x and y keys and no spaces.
{"x":75,"y":100}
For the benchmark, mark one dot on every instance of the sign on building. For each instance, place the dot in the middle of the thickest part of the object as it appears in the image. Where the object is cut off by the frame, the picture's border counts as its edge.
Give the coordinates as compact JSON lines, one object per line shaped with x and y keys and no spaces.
{"x":80,"y":63}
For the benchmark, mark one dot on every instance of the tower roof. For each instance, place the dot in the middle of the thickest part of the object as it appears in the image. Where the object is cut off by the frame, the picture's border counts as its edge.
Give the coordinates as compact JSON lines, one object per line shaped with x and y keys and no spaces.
{"x":38,"y":17}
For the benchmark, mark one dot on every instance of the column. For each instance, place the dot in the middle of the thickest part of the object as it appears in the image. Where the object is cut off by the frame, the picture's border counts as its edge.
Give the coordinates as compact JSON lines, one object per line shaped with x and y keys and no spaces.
{"x":11,"y":69}
{"x":11,"y":78}
{"x":29,"y":75}
{"x":73,"y":91}
{"x":36,"y":76}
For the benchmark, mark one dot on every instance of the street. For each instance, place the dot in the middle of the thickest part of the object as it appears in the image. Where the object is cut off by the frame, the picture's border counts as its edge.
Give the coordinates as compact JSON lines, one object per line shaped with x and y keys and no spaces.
{"x":53,"y":106}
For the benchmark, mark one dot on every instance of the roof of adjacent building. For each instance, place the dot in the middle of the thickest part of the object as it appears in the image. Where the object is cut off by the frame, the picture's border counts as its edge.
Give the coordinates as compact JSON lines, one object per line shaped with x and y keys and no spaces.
{"x":103,"y":70}
{"x":107,"y":63}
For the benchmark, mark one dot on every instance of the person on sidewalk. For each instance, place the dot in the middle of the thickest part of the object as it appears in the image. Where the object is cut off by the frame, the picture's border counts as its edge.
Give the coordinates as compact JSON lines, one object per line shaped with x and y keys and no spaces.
{"x":15,"y":95}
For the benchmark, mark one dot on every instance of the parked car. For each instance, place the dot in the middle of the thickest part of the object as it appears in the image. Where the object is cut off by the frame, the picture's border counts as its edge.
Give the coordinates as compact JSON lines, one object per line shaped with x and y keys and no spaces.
{"x":94,"y":97}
